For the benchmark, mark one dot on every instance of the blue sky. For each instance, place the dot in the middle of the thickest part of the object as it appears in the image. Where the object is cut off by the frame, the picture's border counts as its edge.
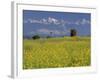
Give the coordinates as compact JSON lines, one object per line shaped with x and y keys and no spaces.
{"x":59,"y":23}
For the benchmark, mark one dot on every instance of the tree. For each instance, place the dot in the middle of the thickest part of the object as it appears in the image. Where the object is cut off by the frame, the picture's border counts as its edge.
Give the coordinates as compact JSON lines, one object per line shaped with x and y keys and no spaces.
{"x":73,"y":32}
{"x":48,"y":37}
{"x":36,"y":37}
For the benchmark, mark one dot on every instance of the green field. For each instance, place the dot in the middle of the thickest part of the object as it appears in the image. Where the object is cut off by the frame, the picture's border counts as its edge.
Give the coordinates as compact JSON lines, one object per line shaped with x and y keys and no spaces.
{"x":56,"y":52}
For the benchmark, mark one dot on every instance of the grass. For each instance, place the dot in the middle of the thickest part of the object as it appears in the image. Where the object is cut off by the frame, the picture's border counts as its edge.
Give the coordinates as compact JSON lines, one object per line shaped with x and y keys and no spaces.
{"x":56,"y":52}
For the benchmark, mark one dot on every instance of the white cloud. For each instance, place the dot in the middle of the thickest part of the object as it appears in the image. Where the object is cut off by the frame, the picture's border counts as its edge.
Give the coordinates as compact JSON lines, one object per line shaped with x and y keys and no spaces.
{"x":32,"y":32}
{"x":84,"y":21}
{"x":35,"y":21}
{"x":61,"y":22}
{"x":53,"y":20}
{"x":77,"y":22}
{"x":47,"y":31}
{"x":49,"y":20}
{"x":44,"y":21}
{"x":57,"y":32}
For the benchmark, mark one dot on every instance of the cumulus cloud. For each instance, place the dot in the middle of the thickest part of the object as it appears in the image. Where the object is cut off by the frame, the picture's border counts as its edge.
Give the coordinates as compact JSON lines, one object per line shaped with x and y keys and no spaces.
{"x":47,"y":31}
{"x":51,"y":20}
{"x":77,"y":23}
{"x":34,"y":21}
{"x":84,"y":21}
{"x":33,"y":32}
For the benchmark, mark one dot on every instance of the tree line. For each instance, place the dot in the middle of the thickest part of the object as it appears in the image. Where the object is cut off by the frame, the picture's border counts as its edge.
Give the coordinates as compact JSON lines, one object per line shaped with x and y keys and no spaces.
{"x":73,"y":33}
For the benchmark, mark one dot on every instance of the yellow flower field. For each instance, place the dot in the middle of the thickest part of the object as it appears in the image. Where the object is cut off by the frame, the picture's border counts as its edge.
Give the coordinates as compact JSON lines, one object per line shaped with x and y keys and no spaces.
{"x":56,"y":52}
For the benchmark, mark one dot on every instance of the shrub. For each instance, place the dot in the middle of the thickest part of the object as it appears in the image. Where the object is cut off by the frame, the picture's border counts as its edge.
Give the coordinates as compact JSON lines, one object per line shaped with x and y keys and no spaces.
{"x":48,"y":37}
{"x":36,"y":37}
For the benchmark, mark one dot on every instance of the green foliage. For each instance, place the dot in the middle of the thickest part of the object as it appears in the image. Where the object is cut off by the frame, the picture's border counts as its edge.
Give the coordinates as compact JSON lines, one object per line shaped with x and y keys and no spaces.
{"x":48,"y":37}
{"x":56,"y":52}
{"x":36,"y":37}
{"x":73,"y":32}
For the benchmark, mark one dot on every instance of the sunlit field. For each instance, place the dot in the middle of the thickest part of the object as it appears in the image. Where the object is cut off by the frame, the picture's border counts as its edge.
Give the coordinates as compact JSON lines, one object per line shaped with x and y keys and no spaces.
{"x":56,"y":52}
